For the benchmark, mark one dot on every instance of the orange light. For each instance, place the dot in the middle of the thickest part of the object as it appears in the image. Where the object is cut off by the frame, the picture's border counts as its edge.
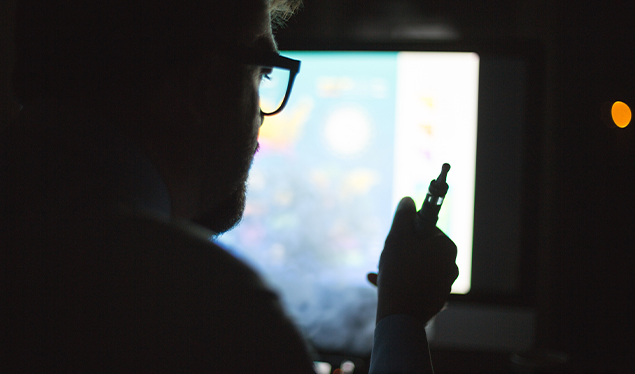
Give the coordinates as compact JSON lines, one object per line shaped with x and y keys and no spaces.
{"x":621,"y":114}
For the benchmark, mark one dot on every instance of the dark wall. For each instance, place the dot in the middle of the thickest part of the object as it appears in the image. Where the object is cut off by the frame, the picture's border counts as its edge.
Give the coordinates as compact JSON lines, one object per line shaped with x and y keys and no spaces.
{"x":7,"y":106}
{"x":593,"y":184}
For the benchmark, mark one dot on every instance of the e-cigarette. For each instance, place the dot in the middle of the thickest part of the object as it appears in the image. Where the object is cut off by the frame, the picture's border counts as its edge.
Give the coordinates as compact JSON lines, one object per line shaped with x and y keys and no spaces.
{"x":428,"y":215}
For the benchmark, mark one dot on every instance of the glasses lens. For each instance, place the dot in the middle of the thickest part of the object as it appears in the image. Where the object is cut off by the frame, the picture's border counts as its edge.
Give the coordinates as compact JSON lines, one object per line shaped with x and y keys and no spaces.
{"x":272,"y":89}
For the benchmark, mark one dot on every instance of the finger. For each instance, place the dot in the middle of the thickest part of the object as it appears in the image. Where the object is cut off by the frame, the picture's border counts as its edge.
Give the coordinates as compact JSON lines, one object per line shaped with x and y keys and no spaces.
{"x":450,"y":277}
{"x":455,"y":273}
{"x":372,"y":278}
{"x":404,"y":215}
{"x":443,"y":246}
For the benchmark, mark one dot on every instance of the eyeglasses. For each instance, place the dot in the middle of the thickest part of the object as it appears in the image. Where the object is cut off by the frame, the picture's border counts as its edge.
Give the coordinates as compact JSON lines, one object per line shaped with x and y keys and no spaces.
{"x":276,"y":82}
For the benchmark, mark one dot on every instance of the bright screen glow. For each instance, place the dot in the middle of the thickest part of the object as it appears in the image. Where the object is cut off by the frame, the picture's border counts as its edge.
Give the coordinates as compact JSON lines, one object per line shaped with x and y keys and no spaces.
{"x":361,"y":130}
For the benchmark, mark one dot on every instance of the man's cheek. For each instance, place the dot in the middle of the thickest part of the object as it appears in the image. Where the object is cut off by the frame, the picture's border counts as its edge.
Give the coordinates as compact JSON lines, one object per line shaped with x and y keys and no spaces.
{"x":251,"y":99}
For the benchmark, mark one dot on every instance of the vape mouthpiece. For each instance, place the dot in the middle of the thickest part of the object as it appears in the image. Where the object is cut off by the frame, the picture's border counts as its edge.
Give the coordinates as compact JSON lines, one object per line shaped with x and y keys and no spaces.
{"x":439,"y":186}
{"x":444,"y":173}
{"x":428,"y":215}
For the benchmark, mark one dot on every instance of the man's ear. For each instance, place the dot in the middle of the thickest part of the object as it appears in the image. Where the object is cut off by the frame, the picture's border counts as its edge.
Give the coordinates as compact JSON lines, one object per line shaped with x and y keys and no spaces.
{"x":206,"y":82}
{"x":167,"y":101}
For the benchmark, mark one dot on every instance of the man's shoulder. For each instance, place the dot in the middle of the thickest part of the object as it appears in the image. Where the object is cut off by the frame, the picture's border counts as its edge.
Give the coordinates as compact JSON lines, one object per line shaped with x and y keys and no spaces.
{"x":176,"y":242}
{"x":206,"y":286}
{"x":152,"y":292}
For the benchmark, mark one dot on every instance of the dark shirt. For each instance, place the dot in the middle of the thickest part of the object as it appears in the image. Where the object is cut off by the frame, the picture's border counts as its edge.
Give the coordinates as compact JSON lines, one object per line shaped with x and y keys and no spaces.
{"x":96,"y":276}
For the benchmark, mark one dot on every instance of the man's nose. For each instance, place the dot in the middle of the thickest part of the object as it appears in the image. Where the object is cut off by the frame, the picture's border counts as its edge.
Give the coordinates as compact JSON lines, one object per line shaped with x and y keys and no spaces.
{"x":262,"y":119}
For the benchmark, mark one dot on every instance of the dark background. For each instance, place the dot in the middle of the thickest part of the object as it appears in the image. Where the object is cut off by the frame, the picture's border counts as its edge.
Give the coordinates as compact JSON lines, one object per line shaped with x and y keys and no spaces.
{"x":585,"y":205}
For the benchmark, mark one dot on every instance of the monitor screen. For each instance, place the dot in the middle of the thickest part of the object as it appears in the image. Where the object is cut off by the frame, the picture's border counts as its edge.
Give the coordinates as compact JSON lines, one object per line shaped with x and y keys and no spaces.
{"x":361,"y":130}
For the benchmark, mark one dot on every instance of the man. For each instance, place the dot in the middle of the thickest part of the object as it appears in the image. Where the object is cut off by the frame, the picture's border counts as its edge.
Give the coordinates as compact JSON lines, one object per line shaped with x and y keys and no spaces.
{"x":139,"y":126}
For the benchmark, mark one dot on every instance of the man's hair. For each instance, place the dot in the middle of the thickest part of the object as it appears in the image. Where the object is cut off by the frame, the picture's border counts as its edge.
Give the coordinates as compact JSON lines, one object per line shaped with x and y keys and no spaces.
{"x":282,"y":10}
{"x":98,"y":48}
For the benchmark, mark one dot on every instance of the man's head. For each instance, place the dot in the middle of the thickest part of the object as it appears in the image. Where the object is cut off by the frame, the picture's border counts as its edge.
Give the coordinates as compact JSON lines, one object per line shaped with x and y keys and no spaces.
{"x":70,"y":46}
{"x":166,"y":73}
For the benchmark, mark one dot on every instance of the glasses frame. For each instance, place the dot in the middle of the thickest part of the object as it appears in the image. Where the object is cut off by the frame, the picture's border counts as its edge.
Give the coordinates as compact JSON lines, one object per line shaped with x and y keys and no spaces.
{"x":275,"y":60}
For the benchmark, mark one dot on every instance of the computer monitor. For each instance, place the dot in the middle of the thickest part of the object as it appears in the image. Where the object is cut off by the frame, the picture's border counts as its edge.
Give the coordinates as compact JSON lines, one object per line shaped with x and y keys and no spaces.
{"x":366,"y":125}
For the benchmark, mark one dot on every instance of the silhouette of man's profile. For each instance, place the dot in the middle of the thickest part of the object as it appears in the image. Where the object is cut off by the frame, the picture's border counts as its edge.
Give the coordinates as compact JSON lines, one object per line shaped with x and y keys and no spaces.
{"x":139,"y":124}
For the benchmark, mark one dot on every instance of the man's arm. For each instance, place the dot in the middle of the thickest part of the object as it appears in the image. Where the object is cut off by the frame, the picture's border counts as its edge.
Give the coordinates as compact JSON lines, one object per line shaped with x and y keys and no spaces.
{"x":414,"y":281}
{"x":400,"y":346}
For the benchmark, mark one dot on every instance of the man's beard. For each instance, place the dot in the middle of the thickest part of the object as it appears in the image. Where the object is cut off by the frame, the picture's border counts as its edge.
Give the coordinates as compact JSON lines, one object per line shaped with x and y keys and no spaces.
{"x":228,"y":158}
{"x":227,"y":214}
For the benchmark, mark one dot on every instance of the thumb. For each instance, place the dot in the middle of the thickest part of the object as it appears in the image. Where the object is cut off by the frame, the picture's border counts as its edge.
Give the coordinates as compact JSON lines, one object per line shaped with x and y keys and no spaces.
{"x":403,"y":215}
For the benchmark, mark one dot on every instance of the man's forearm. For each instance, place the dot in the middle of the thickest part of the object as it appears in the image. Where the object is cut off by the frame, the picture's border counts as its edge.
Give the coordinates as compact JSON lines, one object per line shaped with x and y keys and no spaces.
{"x":400,"y":346}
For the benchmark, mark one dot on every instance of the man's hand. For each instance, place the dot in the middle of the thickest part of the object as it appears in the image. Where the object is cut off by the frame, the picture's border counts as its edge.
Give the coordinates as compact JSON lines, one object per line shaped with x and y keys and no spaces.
{"x":415,"y":275}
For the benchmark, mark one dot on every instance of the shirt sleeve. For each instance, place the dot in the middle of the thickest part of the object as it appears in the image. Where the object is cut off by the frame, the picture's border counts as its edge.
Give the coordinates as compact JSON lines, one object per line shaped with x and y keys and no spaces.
{"x":400,"y":346}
